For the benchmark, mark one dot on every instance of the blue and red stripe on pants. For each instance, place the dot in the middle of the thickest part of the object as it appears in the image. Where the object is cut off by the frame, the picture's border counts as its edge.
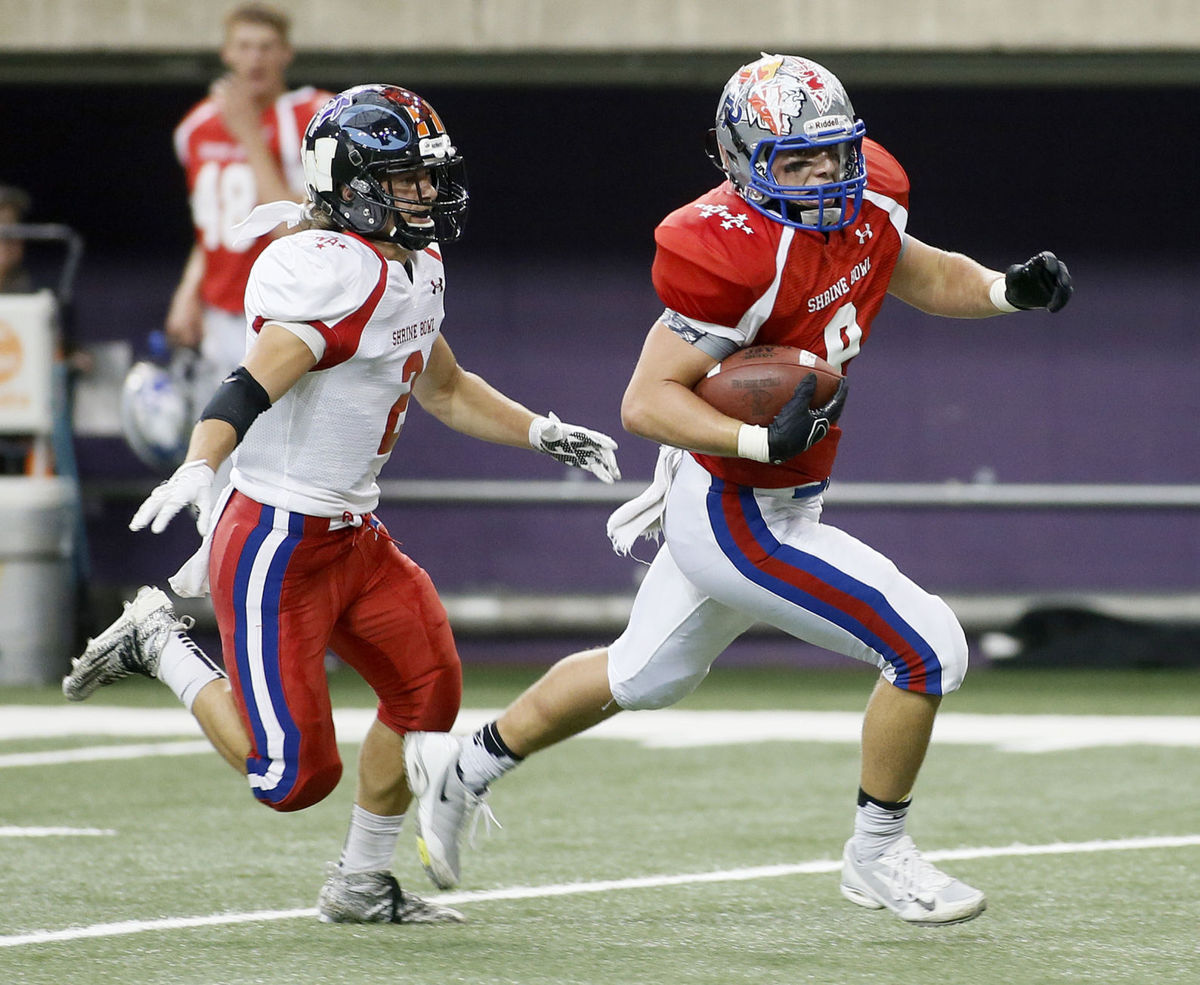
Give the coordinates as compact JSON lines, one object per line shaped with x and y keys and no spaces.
{"x":818,"y":586}
{"x":285,"y":588}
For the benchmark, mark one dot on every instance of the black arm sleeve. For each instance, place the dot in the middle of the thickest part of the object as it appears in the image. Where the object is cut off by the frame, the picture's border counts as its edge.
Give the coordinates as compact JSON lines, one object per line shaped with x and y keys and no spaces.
{"x":238,"y":401}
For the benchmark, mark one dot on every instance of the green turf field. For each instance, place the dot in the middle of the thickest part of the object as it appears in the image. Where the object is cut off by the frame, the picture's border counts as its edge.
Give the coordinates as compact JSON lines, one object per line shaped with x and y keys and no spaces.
{"x":622,"y":861}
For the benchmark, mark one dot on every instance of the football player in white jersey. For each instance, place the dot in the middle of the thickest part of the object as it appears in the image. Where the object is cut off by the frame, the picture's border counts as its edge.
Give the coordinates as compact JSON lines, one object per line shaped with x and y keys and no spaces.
{"x":343,"y":325}
{"x":797,"y":247}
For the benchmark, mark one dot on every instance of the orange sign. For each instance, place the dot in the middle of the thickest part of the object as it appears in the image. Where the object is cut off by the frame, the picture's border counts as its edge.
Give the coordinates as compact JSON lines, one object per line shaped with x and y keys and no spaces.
{"x":11,"y":353}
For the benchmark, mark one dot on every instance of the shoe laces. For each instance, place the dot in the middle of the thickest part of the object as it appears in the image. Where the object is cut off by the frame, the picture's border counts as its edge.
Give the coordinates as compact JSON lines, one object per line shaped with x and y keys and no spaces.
{"x":914,"y":878}
{"x":481,"y":812}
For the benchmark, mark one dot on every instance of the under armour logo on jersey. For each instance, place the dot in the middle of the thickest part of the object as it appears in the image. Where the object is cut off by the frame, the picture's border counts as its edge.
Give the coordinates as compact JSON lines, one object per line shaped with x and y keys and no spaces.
{"x":729,"y":219}
{"x":864,"y":234}
{"x":438,"y":285}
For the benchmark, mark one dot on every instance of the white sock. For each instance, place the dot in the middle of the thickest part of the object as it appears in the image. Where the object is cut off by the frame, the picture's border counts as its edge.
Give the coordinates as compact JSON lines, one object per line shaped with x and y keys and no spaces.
{"x":185,"y":668}
{"x":370,"y":842}
{"x":877,"y":827}
{"x":485,"y":757}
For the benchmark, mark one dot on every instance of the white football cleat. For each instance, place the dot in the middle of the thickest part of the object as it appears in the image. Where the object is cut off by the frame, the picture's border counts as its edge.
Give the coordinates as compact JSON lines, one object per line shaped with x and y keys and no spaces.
{"x":133,"y":644}
{"x":376,"y":897}
{"x":902,"y":881}
{"x":445,"y":807}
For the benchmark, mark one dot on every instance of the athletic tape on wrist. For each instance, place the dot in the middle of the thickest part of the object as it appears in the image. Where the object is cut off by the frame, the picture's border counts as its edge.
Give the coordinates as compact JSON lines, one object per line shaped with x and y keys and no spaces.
{"x":753,"y":443}
{"x":996,"y":295}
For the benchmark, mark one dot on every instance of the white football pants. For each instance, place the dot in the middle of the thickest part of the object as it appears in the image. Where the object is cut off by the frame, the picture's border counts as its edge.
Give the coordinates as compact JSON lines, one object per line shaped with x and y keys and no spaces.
{"x":734,"y":556}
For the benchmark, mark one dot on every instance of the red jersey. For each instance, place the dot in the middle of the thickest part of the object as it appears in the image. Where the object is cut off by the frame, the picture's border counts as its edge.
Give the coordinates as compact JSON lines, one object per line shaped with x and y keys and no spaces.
{"x":222,"y":189}
{"x":731,"y":271}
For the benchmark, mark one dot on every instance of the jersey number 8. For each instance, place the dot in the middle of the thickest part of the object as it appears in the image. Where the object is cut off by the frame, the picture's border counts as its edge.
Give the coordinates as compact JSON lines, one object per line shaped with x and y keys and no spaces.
{"x":221,"y":198}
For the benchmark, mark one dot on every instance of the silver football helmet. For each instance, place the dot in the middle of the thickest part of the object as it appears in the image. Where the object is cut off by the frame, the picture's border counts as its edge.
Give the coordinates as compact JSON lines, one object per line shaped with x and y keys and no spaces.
{"x":157,"y":414}
{"x":783,"y":103}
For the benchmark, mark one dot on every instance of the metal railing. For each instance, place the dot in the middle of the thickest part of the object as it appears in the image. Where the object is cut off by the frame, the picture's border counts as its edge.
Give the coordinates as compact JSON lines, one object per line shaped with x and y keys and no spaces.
{"x":899,"y":495}
{"x":49,"y":232}
{"x":605,"y":613}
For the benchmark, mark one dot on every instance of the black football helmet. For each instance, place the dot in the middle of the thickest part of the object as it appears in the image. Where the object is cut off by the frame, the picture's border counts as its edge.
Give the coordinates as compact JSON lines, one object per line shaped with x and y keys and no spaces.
{"x":371,"y":131}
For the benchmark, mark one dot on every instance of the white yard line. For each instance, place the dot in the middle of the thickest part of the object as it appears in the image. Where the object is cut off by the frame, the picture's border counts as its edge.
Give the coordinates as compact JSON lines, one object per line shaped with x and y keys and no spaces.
{"x":670,"y":728}
{"x":9,"y":831}
{"x":90,"y":754}
{"x":600,"y":886}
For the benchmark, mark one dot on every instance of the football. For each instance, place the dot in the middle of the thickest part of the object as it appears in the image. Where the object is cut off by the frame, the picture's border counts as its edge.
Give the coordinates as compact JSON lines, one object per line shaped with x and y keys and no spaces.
{"x":753,"y":384}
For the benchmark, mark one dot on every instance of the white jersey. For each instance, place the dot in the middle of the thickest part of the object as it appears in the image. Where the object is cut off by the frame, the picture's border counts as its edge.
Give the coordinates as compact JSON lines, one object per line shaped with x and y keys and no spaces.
{"x":318,"y":450}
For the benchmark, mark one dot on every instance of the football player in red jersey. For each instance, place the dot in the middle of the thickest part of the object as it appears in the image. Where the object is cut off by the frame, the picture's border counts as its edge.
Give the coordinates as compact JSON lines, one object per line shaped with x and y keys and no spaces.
{"x":797,"y":247}
{"x":239,"y":147}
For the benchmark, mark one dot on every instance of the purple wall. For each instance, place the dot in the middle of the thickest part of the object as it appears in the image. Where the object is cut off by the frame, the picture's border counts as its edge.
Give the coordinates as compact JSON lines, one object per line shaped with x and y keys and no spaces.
{"x":549,"y":298}
{"x":1104,"y":392}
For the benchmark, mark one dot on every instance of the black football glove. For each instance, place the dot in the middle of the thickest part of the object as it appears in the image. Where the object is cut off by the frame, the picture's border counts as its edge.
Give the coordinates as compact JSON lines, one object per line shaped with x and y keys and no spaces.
{"x":798,"y":426}
{"x":1042,"y":281}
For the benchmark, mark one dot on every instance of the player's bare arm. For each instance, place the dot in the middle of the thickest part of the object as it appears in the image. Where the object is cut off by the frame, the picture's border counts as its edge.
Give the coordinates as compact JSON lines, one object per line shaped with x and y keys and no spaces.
{"x":185,"y":324}
{"x":274,"y":364}
{"x":659,"y":403}
{"x":466,"y":402}
{"x":943,"y":283}
{"x":242,"y":114}
{"x":278,"y":359}
{"x":956,"y":286}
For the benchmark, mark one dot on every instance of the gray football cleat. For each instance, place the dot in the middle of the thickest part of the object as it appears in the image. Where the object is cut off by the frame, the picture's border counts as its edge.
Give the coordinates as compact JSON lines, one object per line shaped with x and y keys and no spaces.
{"x":376,"y":897}
{"x":902,"y":881}
{"x":131,"y":645}
{"x":445,"y":806}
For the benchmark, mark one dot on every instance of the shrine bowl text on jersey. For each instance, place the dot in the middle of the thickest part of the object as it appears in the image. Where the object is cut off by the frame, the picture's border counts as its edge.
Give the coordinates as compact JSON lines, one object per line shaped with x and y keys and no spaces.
{"x":724,"y":269}
{"x":320,"y":447}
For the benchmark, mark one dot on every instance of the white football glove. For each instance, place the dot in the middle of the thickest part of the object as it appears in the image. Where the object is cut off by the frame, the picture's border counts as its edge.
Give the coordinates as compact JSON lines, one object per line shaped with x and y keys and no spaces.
{"x":576,"y":446}
{"x":191,"y":485}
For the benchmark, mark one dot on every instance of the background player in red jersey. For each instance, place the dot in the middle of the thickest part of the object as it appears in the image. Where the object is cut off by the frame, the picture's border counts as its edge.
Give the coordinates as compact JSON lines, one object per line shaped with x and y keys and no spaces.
{"x":344,"y":327}
{"x":798,"y":247}
{"x":239,"y":147}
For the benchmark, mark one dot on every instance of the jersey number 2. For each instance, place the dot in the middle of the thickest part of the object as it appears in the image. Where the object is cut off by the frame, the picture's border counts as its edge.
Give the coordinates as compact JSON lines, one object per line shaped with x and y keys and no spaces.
{"x":412,"y":369}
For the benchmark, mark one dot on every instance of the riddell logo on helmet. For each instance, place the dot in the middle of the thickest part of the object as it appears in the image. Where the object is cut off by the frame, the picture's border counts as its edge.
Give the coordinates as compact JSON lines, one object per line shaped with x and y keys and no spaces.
{"x":824,"y":126}
{"x":11,"y":354}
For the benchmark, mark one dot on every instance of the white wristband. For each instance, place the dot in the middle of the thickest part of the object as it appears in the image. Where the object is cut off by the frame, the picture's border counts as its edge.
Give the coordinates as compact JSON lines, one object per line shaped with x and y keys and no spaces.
{"x":753,"y":444}
{"x":996,"y":295}
{"x":537,"y":428}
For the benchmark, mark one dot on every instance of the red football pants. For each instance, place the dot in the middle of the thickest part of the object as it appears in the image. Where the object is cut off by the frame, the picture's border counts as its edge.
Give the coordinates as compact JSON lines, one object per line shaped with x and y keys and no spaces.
{"x":285,"y":587}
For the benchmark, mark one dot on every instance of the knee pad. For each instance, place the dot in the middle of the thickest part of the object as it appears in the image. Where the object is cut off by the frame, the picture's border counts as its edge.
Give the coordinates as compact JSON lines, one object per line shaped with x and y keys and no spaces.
{"x":954,"y":658}
{"x":949,"y":644}
{"x":938,"y":664}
